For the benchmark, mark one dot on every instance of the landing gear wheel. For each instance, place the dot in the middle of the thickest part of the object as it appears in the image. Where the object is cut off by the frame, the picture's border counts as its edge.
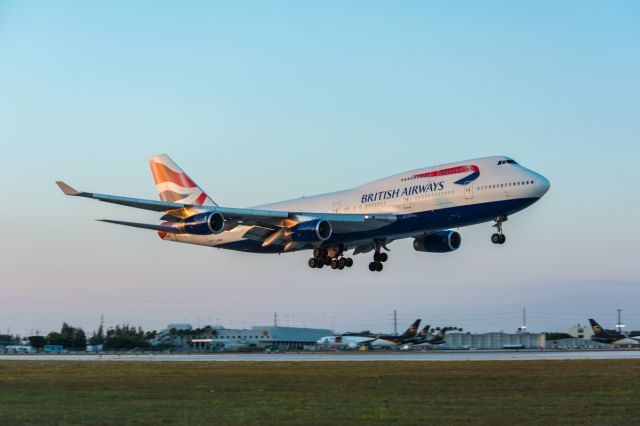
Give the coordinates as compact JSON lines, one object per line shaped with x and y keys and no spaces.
{"x":376,"y":256}
{"x":317,"y":252}
{"x":379,"y":267}
{"x":313,"y":263}
{"x":334,"y":264}
{"x":349,"y":262}
{"x":384,"y":257}
{"x":342,"y":263}
{"x":373,"y":266}
{"x":498,"y":237}
{"x":327,"y":261}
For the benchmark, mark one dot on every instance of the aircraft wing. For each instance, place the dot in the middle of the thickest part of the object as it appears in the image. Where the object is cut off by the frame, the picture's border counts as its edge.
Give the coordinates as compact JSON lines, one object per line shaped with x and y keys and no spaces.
{"x":274,"y":219}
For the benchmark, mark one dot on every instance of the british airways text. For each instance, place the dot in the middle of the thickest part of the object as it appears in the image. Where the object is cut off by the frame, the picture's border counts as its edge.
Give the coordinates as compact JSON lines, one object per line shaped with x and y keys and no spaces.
{"x":406,"y":192}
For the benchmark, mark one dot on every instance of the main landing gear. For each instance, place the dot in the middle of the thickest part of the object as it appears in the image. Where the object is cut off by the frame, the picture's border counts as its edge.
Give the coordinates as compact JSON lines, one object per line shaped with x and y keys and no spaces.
{"x":332,"y":257}
{"x":378,"y":260}
{"x":498,"y":237}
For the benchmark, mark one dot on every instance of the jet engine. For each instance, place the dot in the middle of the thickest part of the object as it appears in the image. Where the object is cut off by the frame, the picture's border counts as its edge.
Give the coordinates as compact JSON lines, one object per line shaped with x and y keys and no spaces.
{"x":310,"y":231}
{"x":203,"y":224}
{"x":438,"y":242}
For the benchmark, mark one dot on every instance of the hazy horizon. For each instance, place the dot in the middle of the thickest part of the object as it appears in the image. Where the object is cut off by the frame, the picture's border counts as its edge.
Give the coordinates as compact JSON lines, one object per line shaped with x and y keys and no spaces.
{"x":260,"y":102}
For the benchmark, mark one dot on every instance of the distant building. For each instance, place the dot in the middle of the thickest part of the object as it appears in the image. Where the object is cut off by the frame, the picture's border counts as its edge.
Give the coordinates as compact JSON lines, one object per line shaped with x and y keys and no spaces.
{"x":493,"y":341}
{"x":260,"y":337}
{"x":176,"y":335}
{"x":580,"y":331}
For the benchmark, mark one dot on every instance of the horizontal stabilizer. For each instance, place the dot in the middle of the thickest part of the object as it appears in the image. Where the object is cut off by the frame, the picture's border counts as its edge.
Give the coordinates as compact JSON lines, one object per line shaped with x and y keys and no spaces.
{"x":169,"y":229}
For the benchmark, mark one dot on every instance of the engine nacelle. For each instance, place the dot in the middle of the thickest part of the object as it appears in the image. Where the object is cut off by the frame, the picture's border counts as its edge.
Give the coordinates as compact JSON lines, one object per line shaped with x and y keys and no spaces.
{"x":438,"y":242}
{"x":203,"y":224}
{"x":310,"y":231}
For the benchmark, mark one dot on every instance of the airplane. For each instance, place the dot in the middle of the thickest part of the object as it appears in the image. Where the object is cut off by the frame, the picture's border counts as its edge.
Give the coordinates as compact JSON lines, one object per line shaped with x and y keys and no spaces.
{"x":349,"y":341}
{"x":617,"y":339}
{"x":422,"y":204}
{"x":423,"y":338}
{"x":355,"y":341}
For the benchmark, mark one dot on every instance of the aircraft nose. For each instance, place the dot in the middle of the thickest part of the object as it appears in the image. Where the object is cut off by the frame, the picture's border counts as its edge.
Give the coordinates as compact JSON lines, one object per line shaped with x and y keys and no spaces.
{"x":542,"y":184}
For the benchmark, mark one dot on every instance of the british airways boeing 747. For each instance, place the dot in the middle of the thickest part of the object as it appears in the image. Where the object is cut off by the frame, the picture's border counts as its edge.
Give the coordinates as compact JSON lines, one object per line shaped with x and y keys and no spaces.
{"x":422,"y":204}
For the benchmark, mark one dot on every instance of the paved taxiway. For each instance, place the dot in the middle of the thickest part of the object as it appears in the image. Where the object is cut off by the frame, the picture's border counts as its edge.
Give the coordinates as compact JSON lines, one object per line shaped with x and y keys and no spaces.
{"x":341,"y":356}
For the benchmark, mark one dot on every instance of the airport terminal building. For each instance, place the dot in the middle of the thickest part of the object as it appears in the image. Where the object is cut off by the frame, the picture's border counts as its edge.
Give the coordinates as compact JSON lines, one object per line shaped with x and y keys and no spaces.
{"x":494,"y":341}
{"x":260,"y":337}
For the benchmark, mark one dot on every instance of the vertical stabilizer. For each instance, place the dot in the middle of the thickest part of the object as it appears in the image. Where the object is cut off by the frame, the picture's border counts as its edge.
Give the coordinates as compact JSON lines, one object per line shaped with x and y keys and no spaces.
{"x":424,"y":333}
{"x":412,"y":330}
{"x":597,"y":329}
{"x":174,"y":185}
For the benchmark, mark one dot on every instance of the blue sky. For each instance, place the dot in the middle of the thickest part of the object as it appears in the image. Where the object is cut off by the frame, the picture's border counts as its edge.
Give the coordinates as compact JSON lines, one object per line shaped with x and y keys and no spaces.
{"x":262,"y":101}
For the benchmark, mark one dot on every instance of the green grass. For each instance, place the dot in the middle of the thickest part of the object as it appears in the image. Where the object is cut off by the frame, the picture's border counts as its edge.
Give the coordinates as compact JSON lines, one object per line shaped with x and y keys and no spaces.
{"x":514,"y":392}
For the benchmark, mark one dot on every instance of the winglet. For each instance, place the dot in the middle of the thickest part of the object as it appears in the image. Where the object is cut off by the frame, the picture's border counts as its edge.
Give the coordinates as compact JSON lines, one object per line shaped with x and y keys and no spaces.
{"x":66,"y":188}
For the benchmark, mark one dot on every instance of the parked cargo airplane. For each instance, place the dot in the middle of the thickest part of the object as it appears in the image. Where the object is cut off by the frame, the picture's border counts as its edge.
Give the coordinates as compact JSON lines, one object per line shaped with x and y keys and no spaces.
{"x":617,"y":339}
{"x":421,"y":204}
{"x":368,"y":340}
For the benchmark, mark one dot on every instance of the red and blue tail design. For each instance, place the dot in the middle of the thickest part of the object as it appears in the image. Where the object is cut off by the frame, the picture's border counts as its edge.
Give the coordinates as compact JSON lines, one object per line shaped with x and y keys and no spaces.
{"x":174,"y":185}
{"x":475,"y":173}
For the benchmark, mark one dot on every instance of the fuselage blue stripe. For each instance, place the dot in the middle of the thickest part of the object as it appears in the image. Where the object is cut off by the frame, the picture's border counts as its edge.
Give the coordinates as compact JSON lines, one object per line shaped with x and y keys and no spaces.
{"x":412,"y":223}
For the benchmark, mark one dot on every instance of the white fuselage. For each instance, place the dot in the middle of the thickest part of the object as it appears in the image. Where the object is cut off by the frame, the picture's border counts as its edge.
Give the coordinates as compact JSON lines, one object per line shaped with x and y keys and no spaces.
{"x":424,"y":200}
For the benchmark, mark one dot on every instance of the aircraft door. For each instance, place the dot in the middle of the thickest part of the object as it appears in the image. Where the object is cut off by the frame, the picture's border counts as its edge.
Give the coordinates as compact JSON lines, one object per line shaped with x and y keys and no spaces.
{"x":468,"y":191}
{"x":406,"y":203}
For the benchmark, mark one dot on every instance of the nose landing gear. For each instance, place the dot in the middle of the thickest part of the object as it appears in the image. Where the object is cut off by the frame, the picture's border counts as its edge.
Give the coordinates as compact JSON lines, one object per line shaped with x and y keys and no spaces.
{"x":499,"y":237}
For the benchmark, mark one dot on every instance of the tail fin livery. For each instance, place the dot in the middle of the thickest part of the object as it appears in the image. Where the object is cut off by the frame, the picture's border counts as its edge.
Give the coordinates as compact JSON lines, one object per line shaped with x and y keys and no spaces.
{"x":412,"y":330}
{"x":174,"y":185}
{"x":597,"y":329}
{"x":424,"y":333}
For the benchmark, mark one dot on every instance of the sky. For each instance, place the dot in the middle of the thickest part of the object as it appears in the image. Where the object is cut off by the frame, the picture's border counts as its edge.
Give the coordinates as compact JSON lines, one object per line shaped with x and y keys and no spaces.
{"x":264,"y":101}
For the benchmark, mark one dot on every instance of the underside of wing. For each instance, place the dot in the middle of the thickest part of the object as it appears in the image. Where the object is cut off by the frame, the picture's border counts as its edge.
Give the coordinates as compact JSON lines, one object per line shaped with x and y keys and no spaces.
{"x":267,"y":226}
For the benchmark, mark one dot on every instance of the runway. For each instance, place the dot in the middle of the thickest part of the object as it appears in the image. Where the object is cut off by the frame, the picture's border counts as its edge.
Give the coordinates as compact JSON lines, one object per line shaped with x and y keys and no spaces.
{"x":337,"y":356}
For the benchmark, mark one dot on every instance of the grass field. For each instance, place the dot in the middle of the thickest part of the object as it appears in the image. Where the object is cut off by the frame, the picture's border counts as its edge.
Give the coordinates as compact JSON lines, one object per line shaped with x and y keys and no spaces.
{"x":489,"y":392}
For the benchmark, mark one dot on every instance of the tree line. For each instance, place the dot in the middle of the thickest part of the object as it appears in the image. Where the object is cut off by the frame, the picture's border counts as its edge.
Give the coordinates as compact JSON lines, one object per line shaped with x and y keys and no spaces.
{"x":74,"y":338}
{"x":119,"y":337}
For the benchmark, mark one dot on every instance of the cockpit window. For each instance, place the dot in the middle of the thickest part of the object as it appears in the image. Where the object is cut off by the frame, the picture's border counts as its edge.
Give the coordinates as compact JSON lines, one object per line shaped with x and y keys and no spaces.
{"x":501,"y":162}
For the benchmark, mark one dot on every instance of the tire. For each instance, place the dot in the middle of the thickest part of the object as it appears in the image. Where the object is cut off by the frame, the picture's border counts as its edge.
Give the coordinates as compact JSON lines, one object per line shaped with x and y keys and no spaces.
{"x":502,"y":239}
{"x":312,"y":262}
{"x":349,"y":262}
{"x":341,"y":267}
{"x":495,"y":238}
{"x":376,"y":257}
{"x":317,"y":252}
{"x":384,"y":257}
{"x":327,"y":261}
{"x":334,"y":264}
{"x":342,"y":262}
{"x":373,"y":266}
{"x":379,"y":267}
{"x":320,"y":265}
